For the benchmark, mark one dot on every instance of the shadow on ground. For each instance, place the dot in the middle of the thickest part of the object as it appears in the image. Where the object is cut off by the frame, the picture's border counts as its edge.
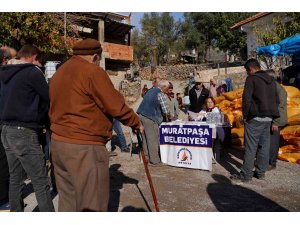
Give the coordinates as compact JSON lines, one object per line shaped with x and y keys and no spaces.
{"x":117,"y":179}
{"x":228,"y":197}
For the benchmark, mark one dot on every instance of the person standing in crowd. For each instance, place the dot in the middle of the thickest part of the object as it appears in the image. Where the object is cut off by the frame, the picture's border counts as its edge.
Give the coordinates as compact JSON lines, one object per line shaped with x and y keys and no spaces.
{"x":260,"y":107}
{"x":4,"y":171}
{"x":11,"y":51}
{"x":152,"y":111}
{"x":197,"y":95}
{"x":23,"y":89}
{"x":212,"y":88}
{"x":81,"y":122}
{"x":278,"y":123}
{"x":144,"y":90}
{"x":122,"y":140}
{"x":179,"y":100}
{"x":172,"y":102}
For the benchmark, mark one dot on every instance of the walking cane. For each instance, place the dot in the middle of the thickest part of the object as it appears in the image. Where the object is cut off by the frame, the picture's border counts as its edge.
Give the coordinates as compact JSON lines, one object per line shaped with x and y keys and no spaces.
{"x":147,"y":172}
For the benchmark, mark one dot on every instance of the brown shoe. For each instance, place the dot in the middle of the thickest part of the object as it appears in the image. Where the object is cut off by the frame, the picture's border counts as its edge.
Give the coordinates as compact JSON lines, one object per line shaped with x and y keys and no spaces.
{"x":271,"y":167}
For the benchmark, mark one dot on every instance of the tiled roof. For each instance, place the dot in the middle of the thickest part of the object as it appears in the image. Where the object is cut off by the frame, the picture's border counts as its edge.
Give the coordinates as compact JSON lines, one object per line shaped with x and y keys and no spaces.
{"x":250,"y":19}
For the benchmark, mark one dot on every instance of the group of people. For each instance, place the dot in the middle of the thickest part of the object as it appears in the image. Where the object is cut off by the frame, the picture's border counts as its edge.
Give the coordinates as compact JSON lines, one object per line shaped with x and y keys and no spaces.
{"x":79,"y":101}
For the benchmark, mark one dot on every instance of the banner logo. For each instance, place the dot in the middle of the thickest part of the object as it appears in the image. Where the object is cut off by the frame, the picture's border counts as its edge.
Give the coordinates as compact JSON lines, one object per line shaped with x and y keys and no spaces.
{"x":184,"y":156}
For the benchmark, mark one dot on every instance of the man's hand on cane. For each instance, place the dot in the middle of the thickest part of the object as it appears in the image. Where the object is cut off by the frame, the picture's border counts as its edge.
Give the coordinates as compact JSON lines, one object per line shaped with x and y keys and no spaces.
{"x":139,"y":128}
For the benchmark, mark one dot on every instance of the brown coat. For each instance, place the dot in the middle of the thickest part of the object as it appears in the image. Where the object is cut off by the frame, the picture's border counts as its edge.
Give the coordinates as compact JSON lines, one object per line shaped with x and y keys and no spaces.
{"x":83,"y":102}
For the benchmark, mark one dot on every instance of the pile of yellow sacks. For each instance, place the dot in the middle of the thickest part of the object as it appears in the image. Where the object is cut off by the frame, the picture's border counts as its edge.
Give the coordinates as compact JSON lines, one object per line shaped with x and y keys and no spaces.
{"x":230,"y":104}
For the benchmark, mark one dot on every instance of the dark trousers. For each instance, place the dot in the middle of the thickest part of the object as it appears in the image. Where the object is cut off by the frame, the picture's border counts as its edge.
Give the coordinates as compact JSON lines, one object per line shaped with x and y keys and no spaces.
{"x":274,"y":146}
{"x":4,"y":175}
{"x":257,"y":147}
{"x":24,"y":156}
{"x":82,"y":176}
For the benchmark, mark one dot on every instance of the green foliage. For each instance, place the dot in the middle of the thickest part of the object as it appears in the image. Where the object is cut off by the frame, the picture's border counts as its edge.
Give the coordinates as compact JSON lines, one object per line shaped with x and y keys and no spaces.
{"x":45,"y":30}
{"x":284,"y":25}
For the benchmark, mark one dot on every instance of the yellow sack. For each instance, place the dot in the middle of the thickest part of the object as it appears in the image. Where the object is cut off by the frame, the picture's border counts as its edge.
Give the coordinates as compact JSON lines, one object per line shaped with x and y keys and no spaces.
{"x":296,"y":101}
{"x":219,"y":99}
{"x":238,"y":119}
{"x":225,"y":104}
{"x":294,"y":120}
{"x":238,"y":103}
{"x":233,"y":94}
{"x":291,"y":111}
{"x":294,"y":141}
{"x":237,"y":132}
{"x":288,"y":149}
{"x":290,"y":157}
{"x":291,"y":130}
{"x":237,"y":141}
{"x":229,"y":117}
{"x":291,"y":91}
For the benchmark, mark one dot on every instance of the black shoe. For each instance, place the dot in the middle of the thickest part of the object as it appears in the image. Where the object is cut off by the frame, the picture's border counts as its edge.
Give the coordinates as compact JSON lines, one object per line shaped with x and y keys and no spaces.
{"x":260,"y":177}
{"x":240,"y":178}
{"x":125,"y":150}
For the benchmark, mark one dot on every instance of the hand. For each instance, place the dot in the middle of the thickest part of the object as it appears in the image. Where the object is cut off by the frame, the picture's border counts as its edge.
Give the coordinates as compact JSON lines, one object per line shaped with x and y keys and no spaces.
{"x":140,"y":129}
{"x":274,"y":128}
{"x":201,"y":114}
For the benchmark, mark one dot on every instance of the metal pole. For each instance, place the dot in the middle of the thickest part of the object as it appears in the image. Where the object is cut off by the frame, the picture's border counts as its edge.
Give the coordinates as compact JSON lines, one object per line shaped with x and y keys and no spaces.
{"x":65,"y":26}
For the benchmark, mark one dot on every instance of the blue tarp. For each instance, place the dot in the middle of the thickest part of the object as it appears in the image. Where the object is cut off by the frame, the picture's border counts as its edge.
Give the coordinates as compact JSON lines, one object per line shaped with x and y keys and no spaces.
{"x":288,"y":46}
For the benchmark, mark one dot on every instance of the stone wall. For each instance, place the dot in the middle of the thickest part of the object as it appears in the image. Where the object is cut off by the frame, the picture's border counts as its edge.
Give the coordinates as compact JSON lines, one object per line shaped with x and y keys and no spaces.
{"x":176,"y":72}
{"x":131,"y":90}
{"x":182,"y":73}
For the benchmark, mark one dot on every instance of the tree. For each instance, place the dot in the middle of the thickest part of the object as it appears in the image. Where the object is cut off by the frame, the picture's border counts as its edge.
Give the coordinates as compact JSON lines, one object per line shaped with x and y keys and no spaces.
{"x":45,"y":30}
{"x":283,"y":26}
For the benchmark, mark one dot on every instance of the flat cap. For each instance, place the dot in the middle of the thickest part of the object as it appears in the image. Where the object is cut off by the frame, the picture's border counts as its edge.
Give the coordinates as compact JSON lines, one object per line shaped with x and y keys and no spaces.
{"x":87,"y":46}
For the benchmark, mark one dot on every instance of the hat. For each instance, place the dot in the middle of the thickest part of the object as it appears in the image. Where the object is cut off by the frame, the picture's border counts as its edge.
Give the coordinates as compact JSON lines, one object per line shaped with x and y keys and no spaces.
{"x":87,"y":47}
{"x":198,"y":79}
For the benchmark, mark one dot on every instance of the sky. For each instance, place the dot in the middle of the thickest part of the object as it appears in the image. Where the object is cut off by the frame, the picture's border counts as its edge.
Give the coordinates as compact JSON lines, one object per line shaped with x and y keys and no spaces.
{"x":137,"y":16}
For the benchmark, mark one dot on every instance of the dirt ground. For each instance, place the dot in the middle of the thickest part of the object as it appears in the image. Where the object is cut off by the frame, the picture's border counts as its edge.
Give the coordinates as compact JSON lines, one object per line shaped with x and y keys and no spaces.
{"x":190,"y":190}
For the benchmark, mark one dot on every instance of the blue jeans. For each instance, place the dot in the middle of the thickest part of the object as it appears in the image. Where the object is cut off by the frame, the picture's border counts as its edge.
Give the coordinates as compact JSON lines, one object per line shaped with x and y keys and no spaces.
{"x":118,"y":129}
{"x":24,"y":155}
{"x":257,"y":148}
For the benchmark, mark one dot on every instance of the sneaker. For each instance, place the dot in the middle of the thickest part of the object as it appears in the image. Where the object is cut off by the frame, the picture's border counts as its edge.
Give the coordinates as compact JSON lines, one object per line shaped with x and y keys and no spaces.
{"x":271,"y":167}
{"x":240,"y":178}
{"x":5,"y":207}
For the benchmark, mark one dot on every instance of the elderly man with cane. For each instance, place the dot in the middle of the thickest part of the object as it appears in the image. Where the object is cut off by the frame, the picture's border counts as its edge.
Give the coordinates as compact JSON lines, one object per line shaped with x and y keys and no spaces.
{"x":83,"y":102}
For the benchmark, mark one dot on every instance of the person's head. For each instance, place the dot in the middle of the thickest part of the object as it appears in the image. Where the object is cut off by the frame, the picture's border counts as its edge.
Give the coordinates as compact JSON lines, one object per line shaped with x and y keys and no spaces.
{"x":210,"y":103}
{"x":177,"y":95}
{"x":212,"y":82}
{"x":170,"y":90}
{"x":29,"y":53}
{"x":164,"y":86}
{"x":252,"y":66}
{"x":88,"y":49}
{"x":155,"y":81}
{"x":4,"y":56}
{"x":198,"y":83}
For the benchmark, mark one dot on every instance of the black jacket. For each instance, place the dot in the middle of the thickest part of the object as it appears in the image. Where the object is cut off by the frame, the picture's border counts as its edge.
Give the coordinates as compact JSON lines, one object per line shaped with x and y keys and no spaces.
{"x":197,"y":103}
{"x":260,"y":97}
{"x":24,"y":97}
